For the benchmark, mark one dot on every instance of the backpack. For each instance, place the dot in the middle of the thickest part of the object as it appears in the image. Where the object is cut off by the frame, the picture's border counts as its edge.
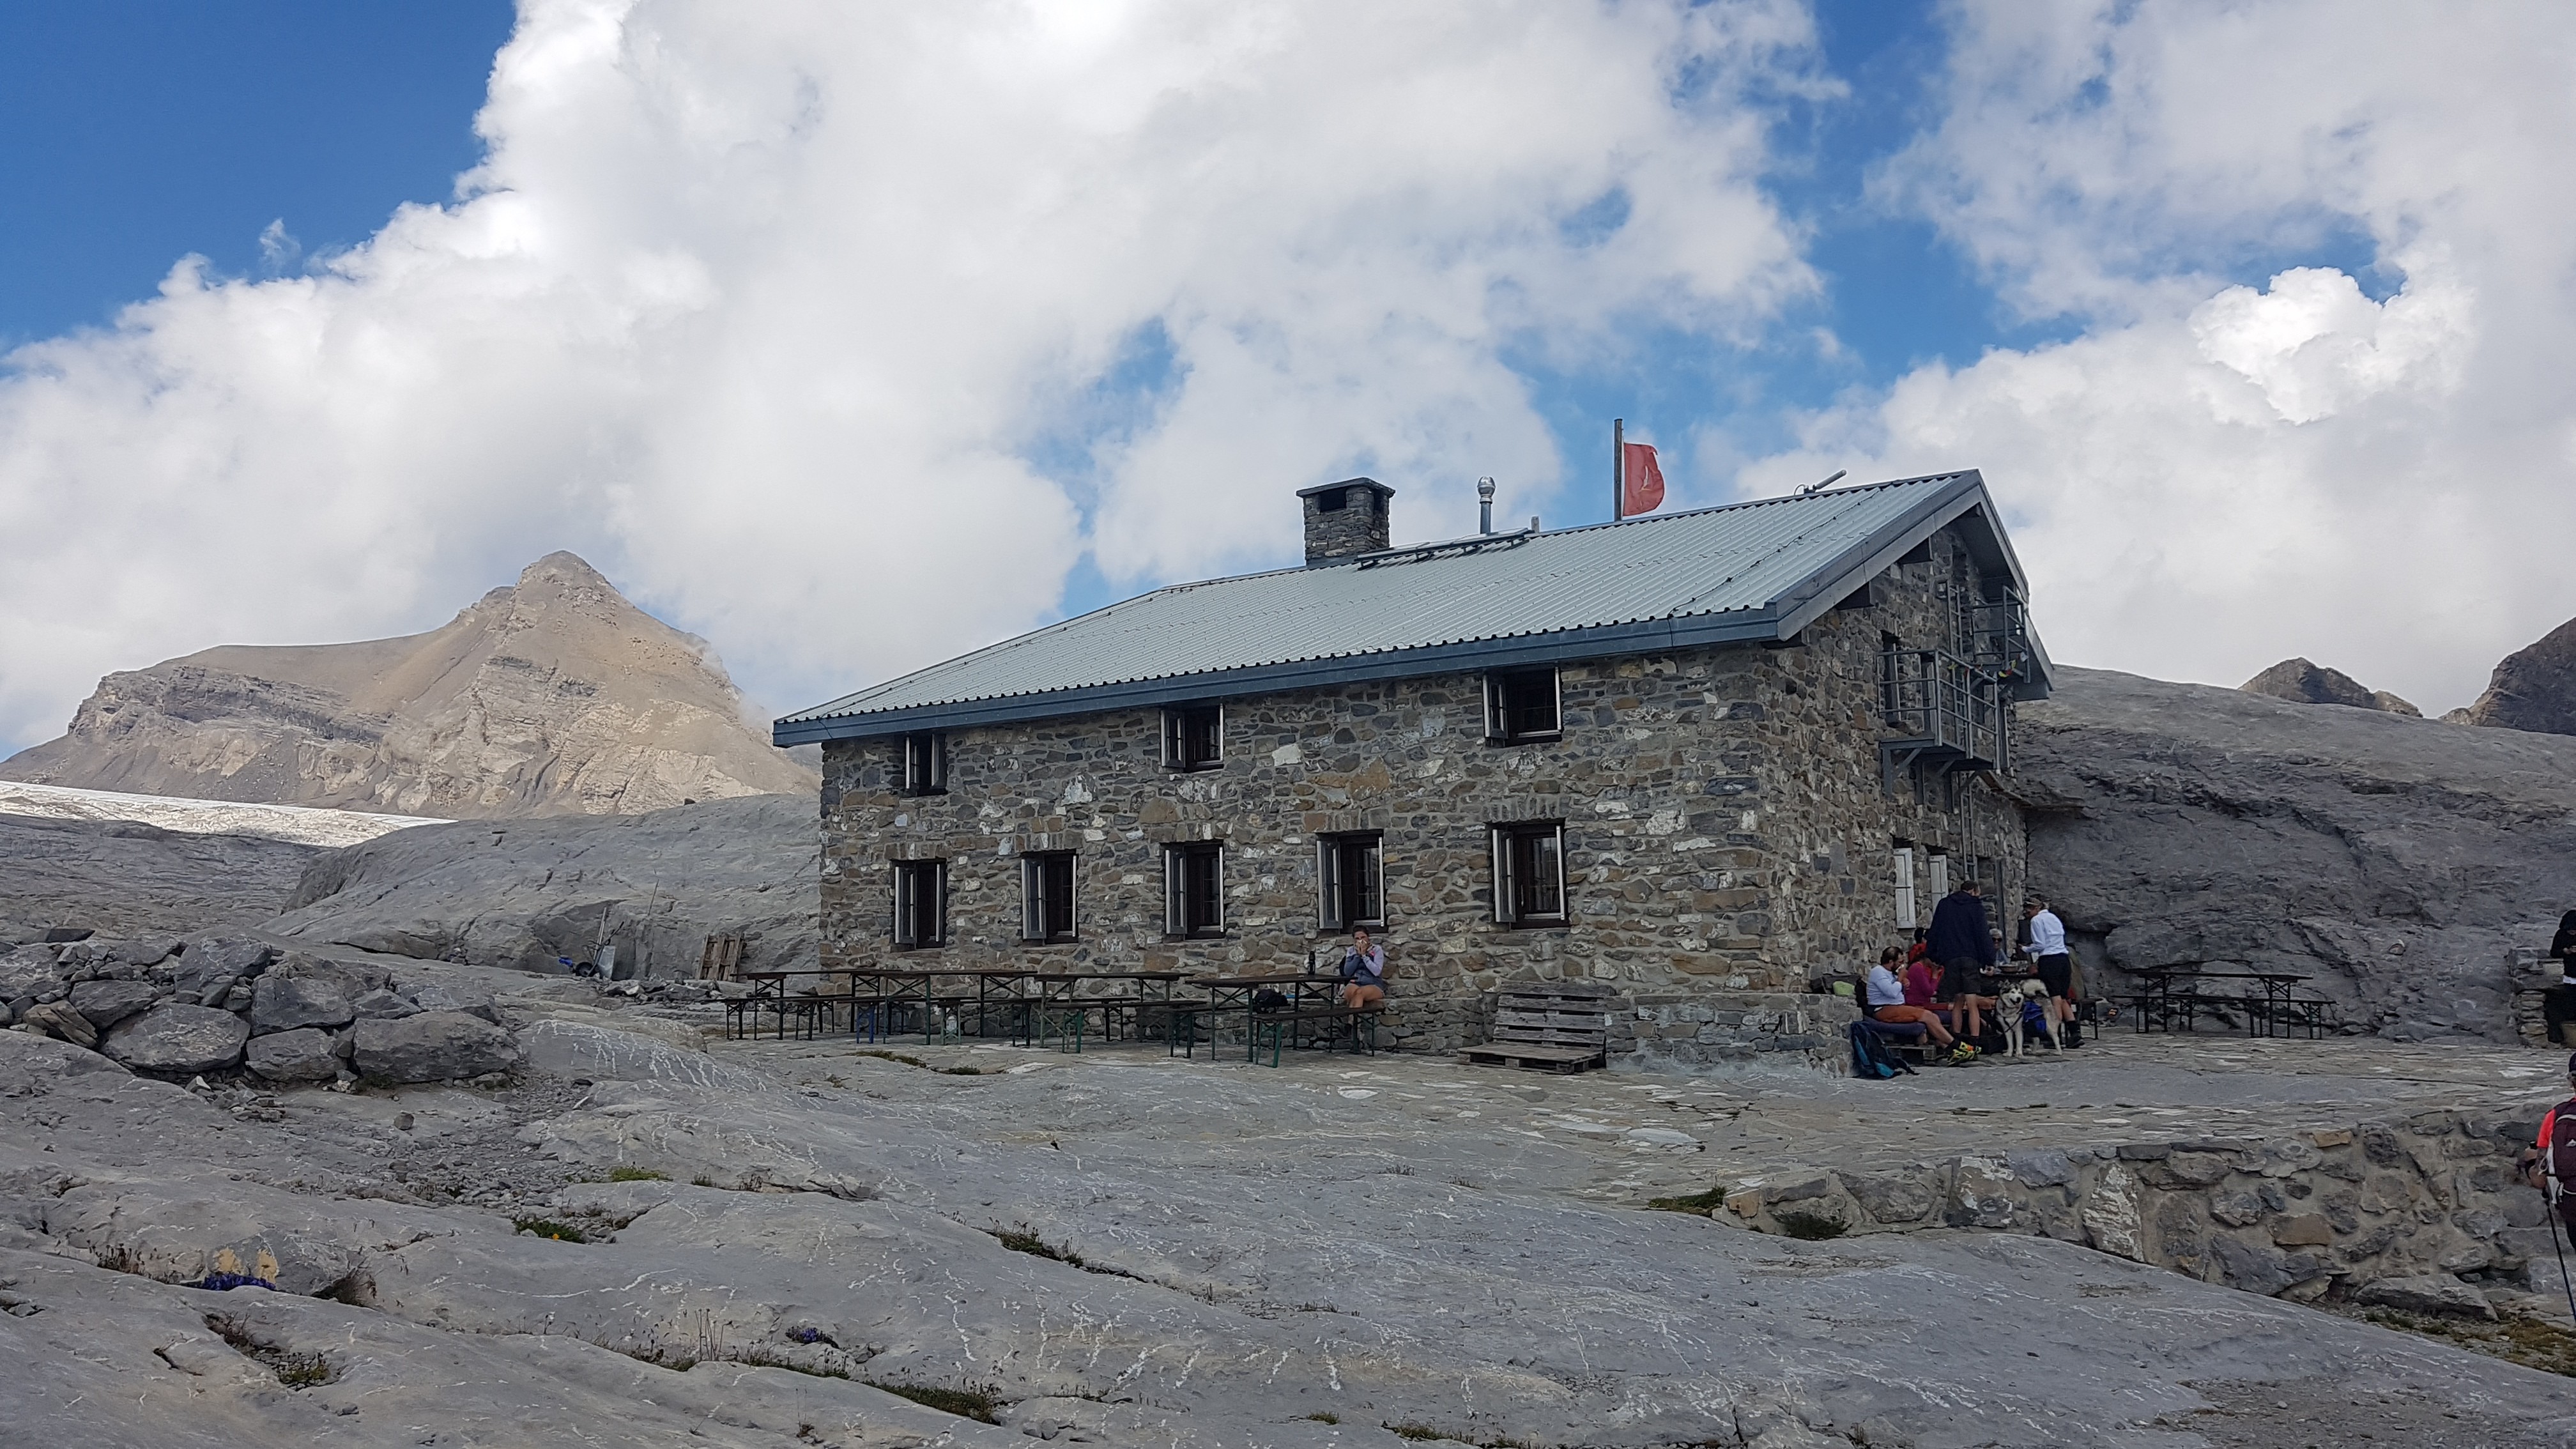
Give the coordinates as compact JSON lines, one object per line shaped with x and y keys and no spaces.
{"x":2558,"y":1160}
{"x":1874,"y":1060}
{"x":1268,"y":1000}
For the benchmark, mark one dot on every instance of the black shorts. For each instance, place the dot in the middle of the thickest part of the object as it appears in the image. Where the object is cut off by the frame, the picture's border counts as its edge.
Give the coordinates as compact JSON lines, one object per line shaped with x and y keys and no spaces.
{"x":1959,"y":979}
{"x":2059,"y":972}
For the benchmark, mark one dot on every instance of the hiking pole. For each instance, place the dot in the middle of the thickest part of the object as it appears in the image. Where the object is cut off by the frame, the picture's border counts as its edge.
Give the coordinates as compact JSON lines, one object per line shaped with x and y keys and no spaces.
{"x":2555,"y":1246}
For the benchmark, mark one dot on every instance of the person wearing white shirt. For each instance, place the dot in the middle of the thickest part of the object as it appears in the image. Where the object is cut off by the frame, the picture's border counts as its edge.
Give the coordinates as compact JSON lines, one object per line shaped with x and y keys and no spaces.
{"x":2048,"y":955}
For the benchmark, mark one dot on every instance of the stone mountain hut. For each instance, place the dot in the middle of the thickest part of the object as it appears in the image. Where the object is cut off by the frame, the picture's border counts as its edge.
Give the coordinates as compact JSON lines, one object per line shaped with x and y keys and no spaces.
{"x":1702,"y":758}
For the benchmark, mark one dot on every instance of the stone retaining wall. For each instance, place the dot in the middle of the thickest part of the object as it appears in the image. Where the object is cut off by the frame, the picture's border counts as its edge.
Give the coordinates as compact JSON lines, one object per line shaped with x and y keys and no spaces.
{"x":2424,"y":1213}
{"x":2533,"y":975}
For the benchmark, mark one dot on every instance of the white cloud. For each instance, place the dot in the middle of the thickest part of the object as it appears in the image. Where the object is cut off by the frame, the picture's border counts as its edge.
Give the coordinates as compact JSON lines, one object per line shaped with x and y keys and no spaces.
{"x":2213,"y":477}
{"x":766,"y":309}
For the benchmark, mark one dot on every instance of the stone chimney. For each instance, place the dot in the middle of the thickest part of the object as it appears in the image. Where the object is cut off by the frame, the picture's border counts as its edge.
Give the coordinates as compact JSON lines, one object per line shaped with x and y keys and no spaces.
{"x":1345,"y":519}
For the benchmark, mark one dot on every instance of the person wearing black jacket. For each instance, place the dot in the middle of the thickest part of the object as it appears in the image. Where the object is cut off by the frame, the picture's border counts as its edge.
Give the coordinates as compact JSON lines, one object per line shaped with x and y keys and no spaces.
{"x":2558,"y":1003}
{"x":1963,"y":943}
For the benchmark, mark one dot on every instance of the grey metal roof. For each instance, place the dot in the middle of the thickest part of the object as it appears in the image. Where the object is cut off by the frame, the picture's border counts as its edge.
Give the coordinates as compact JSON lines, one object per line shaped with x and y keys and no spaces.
{"x":1748,"y":571}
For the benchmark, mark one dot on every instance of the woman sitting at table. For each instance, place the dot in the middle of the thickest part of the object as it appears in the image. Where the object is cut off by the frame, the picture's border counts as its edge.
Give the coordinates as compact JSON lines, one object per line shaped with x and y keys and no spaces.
{"x":1363,"y":972}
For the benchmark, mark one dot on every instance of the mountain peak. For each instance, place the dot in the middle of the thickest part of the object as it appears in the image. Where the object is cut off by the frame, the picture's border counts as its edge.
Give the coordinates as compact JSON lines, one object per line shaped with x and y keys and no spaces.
{"x":552,"y":696}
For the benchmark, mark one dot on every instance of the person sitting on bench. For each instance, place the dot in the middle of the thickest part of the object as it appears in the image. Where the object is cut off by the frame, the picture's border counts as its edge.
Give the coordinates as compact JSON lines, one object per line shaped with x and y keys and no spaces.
{"x":1363,"y":972}
{"x":1887,"y":1001}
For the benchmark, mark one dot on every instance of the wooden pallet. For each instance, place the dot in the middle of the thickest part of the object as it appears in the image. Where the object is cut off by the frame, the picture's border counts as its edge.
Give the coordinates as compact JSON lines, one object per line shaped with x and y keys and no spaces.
{"x":1557,"y":1028}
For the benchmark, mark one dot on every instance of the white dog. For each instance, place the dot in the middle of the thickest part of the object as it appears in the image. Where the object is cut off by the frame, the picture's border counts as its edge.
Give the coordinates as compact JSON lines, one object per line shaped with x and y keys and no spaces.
{"x":2011,"y":1010}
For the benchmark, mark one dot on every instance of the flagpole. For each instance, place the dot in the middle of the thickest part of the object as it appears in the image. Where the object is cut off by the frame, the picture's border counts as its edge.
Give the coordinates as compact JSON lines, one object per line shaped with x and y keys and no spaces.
{"x":1618,"y":468}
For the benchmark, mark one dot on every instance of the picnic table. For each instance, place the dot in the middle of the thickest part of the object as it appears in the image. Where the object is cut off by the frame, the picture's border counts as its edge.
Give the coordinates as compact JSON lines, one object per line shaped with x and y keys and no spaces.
{"x":1060,"y":1001}
{"x":1310,"y":1002}
{"x":2171,"y":994}
{"x":769,"y":993}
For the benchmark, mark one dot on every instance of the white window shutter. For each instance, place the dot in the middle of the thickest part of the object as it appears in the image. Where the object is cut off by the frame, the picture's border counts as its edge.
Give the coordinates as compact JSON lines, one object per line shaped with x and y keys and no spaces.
{"x":1940,"y":875}
{"x":1377,"y":873}
{"x":1502,"y":847}
{"x":1328,"y":883}
{"x":1555,"y":702}
{"x":894,"y":924}
{"x":939,"y":902}
{"x":1905,"y":889}
{"x":1073,"y":895}
{"x":1493,"y":710}
{"x":1564,"y":902}
{"x":1172,"y":917}
{"x":1032,"y":911}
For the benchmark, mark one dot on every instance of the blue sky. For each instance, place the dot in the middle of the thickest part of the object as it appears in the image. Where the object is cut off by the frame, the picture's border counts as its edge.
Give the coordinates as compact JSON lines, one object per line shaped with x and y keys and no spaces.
{"x":853,"y":336}
{"x":138,"y":131}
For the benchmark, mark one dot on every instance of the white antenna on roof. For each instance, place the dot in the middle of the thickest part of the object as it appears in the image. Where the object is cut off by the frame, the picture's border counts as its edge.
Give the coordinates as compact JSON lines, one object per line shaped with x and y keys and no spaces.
{"x":1821,"y":487}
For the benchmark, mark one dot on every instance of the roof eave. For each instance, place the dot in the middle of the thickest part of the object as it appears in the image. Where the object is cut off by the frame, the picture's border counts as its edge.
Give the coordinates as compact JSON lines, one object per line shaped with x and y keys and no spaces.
{"x":1742,"y":626}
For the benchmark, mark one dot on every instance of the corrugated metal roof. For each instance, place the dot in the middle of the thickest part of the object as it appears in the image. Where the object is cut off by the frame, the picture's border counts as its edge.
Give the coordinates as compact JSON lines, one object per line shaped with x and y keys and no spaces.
{"x":1746,"y":556}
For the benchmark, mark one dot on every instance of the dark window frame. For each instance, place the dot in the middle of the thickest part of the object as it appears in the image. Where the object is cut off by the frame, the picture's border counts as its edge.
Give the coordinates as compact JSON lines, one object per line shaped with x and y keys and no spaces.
{"x":1338,"y":888}
{"x":1529,"y":873}
{"x":1194,"y":889}
{"x":1194,"y":737}
{"x":1050,"y":897}
{"x":920,"y":917}
{"x":1510,"y":706}
{"x":925,"y":763}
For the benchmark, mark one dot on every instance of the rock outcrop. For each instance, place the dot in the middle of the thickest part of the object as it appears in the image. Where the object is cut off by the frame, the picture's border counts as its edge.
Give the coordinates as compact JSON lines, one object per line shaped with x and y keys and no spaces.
{"x":551,"y":696}
{"x":2533,"y":689}
{"x":654,"y":886}
{"x":174,"y":1009}
{"x":2302,"y":682}
{"x":119,"y":877}
{"x":2397,"y":862}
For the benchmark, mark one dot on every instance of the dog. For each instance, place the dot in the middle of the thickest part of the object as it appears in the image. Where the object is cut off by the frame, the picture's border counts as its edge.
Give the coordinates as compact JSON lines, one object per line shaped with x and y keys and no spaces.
{"x":2013,"y":1010}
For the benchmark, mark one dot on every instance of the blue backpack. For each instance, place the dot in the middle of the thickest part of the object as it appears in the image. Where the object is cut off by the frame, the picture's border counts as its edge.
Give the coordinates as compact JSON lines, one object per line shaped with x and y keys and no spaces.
{"x":1872,"y":1058}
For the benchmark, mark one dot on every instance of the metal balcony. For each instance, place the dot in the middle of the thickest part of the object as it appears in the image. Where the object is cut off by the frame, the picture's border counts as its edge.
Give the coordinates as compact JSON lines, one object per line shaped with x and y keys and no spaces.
{"x":1942,"y":711}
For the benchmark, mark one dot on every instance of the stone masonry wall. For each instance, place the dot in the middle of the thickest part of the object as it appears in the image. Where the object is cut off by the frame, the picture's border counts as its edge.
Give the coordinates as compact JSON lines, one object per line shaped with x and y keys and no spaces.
{"x":1725,"y":827}
{"x":2425,"y":1213}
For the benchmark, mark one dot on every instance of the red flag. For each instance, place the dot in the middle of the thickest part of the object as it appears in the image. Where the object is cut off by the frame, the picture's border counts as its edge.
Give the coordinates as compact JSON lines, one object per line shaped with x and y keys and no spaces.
{"x":1641,"y":481}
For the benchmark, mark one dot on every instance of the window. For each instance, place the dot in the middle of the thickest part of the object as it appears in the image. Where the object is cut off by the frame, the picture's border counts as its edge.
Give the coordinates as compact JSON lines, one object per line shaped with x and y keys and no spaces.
{"x":1353,"y":880}
{"x":925,"y":764}
{"x":1905,"y":887}
{"x":920,"y":903}
{"x":1529,"y":873}
{"x":1520,"y":705}
{"x":1194,"y":738}
{"x":1940,"y":873}
{"x":1194,"y":889}
{"x":1046,"y":896}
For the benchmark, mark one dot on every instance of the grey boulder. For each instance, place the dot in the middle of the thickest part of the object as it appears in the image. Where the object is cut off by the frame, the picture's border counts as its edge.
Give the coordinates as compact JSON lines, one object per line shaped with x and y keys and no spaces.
{"x":2438,"y":1294}
{"x":435,"y":997}
{"x":280,"y":1002}
{"x":106,"y":1003}
{"x":215,"y":962}
{"x":305,"y":1054}
{"x":432,"y":1046}
{"x":28,"y":971}
{"x":382,"y":1003}
{"x":144,"y":951}
{"x":179,"y":1040}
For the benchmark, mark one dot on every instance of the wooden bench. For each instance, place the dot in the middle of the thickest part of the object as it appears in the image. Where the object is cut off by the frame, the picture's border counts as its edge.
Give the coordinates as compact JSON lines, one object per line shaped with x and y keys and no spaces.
{"x":1561,"y":1028}
{"x":1280,"y":1025}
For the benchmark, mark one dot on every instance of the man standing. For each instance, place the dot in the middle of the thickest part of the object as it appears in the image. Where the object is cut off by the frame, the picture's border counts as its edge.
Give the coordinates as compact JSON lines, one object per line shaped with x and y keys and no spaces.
{"x":1963,"y":942}
{"x":2048,"y":953}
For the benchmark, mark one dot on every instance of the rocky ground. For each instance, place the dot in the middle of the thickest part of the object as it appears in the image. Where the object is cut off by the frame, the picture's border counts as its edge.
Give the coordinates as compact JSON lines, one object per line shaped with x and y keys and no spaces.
{"x":2399,"y":861}
{"x":122,"y":877}
{"x":771,"y":1243}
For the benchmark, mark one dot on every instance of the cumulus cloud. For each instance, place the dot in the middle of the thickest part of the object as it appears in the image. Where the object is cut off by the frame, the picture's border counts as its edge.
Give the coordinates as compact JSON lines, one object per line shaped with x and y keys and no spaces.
{"x":2215,"y":476}
{"x":838,"y":332}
